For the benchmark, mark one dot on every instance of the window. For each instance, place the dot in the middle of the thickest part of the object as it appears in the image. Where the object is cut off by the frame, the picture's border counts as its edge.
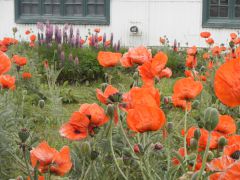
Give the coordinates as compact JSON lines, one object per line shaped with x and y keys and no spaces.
{"x":63,"y":11}
{"x":221,"y":13}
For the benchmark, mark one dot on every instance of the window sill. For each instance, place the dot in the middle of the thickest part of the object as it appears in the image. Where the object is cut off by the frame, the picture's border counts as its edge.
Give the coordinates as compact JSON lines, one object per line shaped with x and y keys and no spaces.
{"x":221,"y":23}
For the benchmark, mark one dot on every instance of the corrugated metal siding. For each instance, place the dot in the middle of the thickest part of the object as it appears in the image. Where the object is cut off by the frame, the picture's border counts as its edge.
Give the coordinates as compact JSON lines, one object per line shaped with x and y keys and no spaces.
{"x":178,"y":19}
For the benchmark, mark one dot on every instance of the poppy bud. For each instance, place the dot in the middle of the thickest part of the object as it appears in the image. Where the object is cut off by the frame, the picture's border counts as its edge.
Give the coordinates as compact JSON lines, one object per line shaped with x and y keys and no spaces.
{"x":193,"y":144}
{"x":94,"y":155}
{"x":135,"y":76}
{"x":103,"y":86}
{"x":14,"y":29}
{"x":238,"y":127}
{"x":158,"y":146}
{"x":166,"y":100}
{"x":23,"y":134}
{"x":117,"y":97}
{"x":169,"y":127}
{"x":195,"y":176}
{"x":191,"y":157}
{"x":85,"y":148}
{"x":211,"y":118}
{"x":110,"y":110}
{"x":210,"y":156}
{"x":222,"y":142}
{"x":106,"y":77}
{"x":41,"y":103}
{"x":127,"y":160}
{"x":136,"y":148}
{"x":231,"y":44}
{"x":197,"y":134}
{"x":195,"y":104}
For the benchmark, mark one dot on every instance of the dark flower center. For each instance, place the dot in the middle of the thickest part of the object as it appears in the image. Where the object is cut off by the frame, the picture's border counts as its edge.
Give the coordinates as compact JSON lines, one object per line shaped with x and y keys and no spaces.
{"x":236,"y":155}
{"x":76,"y":131}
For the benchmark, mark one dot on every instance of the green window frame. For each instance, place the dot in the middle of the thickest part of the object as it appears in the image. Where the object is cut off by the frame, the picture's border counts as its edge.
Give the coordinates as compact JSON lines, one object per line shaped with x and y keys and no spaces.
{"x":227,"y":15}
{"x":88,"y":15}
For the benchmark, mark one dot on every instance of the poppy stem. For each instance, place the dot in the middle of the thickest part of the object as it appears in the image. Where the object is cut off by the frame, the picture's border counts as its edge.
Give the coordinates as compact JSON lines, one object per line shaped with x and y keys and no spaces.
{"x":27,"y":165}
{"x":205,"y":156}
{"x":112,"y":151}
{"x":185,"y":133}
{"x":195,"y":162}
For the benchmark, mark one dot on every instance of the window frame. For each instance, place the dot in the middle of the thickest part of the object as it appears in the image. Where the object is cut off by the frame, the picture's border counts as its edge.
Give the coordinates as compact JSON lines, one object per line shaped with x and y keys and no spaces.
{"x":78,"y":20}
{"x":218,"y":22}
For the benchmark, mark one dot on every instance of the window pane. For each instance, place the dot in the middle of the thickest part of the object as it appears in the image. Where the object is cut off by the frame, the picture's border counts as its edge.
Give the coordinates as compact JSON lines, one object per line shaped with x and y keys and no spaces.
{"x":214,"y":11}
{"x":238,"y":2}
{"x":100,"y":10}
{"x":73,"y":7}
{"x":51,"y":7}
{"x":214,"y":2}
{"x":29,"y":7}
{"x":224,"y":2}
{"x":224,"y":11}
{"x":237,"y":12}
{"x":91,"y":9}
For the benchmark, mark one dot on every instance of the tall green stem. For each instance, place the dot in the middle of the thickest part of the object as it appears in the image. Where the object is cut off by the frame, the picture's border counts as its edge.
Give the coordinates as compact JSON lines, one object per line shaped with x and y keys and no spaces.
{"x":113,"y":154}
{"x":185,"y":133}
{"x":27,"y":165}
{"x":205,"y":156}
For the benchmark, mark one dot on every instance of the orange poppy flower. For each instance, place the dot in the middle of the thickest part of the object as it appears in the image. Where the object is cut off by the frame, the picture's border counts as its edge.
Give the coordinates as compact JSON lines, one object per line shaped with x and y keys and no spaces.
{"x":82,"y":41}
{"x":232,"y":151}
{"x":233,"y":36}
{"x":218,"y":165}
{"x":33,"y":38}
{"x":235,"y":139}
{"x":108,"y":43}
{"x":192,"y":51}
{"x":152,"y":68}
{"x":177,"y":102}
{"x":191,"y":73}
{"x":138,"y":55}
{"x":3,"y":48}
{"x":205,"y":34}
{"x":76,"y":128}
{"x":5,"y":63}
{"x":97,"y":30}
{"x":206,"y":56}
{"x":95,"y":113}
{"x":103,"y":97}
{"x":7,"y":81}
{"x":227,"y":83}
{"x":7,"y":41}
{"x":210,"y":41}
{"x":167,"y":72}
{"x":47,"y":158}
{"x":223,"y":48}
{"x":31,"y":44}
{"x":187,"y":88}
{"x":216,"y":50}
{"x":27,"y":32}
{"x":162,"y":40}
{"x":108,"y":59}
{"x":210,"y":64}
{"x":226,"y":125}
{"x":145,"y":118}
{"x":148,"y":96}
{"x":191,"y":61}
{"x":26,"y":75}
{"x":20,"y":61}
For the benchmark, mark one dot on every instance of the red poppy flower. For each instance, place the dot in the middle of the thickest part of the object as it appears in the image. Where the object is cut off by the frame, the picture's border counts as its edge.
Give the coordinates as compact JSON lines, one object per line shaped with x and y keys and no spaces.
{"x":26,"y":75}
{"x":97,"y":30}
{"x":7,"y":41}
{"x":7,"y":81}
{"x":192,"y":51}
{"x":20,"y":61}
{"x":82,"y":41}
{"x":167,"y":72}
{"x":46,"y":65}
{"x":206,"y":56}
{"x":49,"y":158}
{"x":210,"y":41}
{"x":210,"y":65}
{"x":145,"y":118}
{"x":27,"y":32}
{"x":187,"y":88}
{"x":3,"y":48}
{"x":227,"y":83}
{"x":108,"y":59}
{"x":235,"y":139}
{"x":103,"y":96}
{"x":205,"y":34}
{"x":216,"y":50}
{"x":162,"y":40}
{"x":33,"y":38}
{"x":76,"y":128}
{"x":177,"y":102}
{"x":138,"y":55}
{"x":191,"y":61}
{"x":233,"y":36}
{"x":232,"y":151}
{"x":95,"y":113}
{"x":191,"y":73}
{"x":226,"y":125}
{"x":108,"y":43}
{"x":5,"y":63}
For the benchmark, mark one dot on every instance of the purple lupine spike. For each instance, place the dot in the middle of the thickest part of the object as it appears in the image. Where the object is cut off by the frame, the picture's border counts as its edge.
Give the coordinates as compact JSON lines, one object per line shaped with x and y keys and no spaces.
{"x":111,"y":39}
{"x":59,"y":36}
{"x":73,"y":41}
{"x":77,"y":38}
{"x":62,"y":58}
{"x":56,"y":33}
{"x":76,"y":60}
{"x":39,"y":39}
{"x":93,"y":41}
{"x":65,"y":37}
{"x":118,"y":46}
{"x":115,"y":47}
{"x":40,"y":26}
{"x":71,"y":32}
{"x":70,"y":57}
{"x":104,"y":38}
{"x":65,"y":27}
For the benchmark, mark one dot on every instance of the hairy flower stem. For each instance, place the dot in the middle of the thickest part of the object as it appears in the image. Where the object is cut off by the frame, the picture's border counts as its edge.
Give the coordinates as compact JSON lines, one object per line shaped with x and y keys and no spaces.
{"x":112,"y":151}
{"x":27,"y":165}
{"x":205,"y":156}
{"x":185,"y":133}
{"x":195,"y":161}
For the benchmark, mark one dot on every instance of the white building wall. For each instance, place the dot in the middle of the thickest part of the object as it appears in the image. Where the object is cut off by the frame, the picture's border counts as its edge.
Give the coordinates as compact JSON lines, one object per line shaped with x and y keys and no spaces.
{"x":177,"y":19}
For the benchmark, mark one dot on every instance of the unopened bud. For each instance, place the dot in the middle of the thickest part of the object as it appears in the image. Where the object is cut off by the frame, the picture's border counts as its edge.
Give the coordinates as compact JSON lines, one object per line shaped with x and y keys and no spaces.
{"x":135,"y":76}
{"x":103,"y":86}
{"x":197,"y":134}
{"x":193,"y":144}
{"x":138,"y":149}
{"x":120,"y":161}
{"x":222,"y":142}
{"x":158,"y":146}
{"x":210,"y":156}
{"x":94,"y":155}
{"x":41,"y":103}
{"x":195,"y":104}
{"x":166,"y":100}
{"x":85,"y":149}
{"x":110,"y":110}
{"x":23,"y":134}
{"x":211,"y":118}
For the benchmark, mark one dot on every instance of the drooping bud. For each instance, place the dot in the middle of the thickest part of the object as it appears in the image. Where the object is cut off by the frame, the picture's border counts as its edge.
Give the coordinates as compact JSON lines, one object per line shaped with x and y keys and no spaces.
{"x":195,"y":104}
{"x":222,"y":142}
{"x":41,"y":103}
{"x":94,"y":155}
{"x":85,"y":149}
{"x":110,"y":110}
{"x":197,"y":134}
{"x":136,"y":148}
{"x":158,"y":146}
{"x":23,"y":134}
{"x":193,"y":144}
{"x":210,"y":156}
{"x":103,"y":86}
{"x":211,"y":118}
